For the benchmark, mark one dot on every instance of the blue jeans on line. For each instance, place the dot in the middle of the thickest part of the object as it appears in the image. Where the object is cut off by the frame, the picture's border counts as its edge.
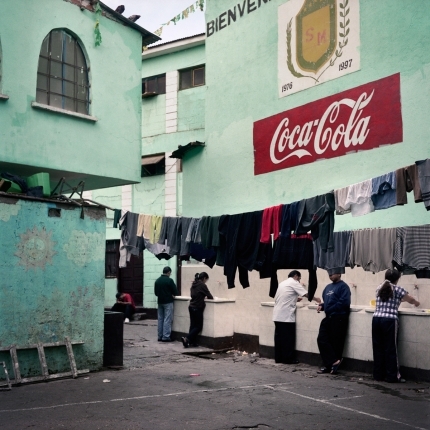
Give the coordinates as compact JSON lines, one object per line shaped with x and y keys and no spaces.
{"x":165,"y":319}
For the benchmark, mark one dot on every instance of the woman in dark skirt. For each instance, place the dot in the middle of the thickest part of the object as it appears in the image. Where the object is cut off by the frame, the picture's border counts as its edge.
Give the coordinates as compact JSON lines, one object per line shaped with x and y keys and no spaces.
{"x":199,"y":291}
{"x":385,"y":324}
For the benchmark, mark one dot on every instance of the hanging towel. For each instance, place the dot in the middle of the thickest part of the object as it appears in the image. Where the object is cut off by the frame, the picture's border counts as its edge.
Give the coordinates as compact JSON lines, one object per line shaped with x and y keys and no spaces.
{"x":271,"y":223}
{"x":144,"y":226}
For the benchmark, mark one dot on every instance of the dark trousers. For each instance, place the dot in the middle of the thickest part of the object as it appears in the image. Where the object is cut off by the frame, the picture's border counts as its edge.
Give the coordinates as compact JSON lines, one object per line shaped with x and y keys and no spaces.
{"x":384,"y":341}
{"x":331,"y":338}
{"x":125,"y":308}
{"x":196,"y":323}
{"x":285,"y":342}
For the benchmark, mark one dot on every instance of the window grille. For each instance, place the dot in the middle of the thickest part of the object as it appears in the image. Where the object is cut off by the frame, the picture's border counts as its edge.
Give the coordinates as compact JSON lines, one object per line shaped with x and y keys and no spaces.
{"x":62,"y":74}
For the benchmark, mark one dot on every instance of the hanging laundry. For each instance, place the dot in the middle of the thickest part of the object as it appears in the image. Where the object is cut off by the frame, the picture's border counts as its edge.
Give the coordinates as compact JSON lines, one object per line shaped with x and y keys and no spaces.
{"x":289,"y":219}
{"x":144,"y":226}
{"x":336,"y":261}
{"x":423,"y":167}
{"x":200,"y":253}
{"x":117,"y":214}
{"x":128,"y":243}
{"x":193,"y":233}
{"x":154,"y":234}
{"x":359,"y":198}
{"x":161,"y":251}
{"x":170,"y":234}
{"x":294,"y":252}
{"x":340,"y":197}
{"x":384,"y":191}
{"x":185,"y":246}
{"x":209,"y":231}
{"x":242,"y":237}
{"x":317,"y":215}
{"x":373,"y":249}
{"x":271,"y":223}
{"x":412,"y":249}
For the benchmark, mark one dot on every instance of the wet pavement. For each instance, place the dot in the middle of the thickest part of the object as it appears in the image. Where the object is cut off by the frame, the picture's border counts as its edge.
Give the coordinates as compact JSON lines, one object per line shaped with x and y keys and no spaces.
{"x":164,"y":386}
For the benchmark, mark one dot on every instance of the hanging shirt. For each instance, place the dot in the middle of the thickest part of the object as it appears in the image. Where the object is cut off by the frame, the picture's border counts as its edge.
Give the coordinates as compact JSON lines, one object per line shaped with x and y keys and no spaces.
{"x":271,"y":223}
{"x":412,"y":248}
{"x":336,"y":261}
{"x":384,"y":191}
{"x":286,"y":300}
{"x":423,"y":167}
{"x":359,"y":198}
{"x":340,"y":197}
{"x":373,"y":249}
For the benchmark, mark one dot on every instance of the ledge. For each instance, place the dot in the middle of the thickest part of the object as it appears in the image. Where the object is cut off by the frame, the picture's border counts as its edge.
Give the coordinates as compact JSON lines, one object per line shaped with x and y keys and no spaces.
{"x":4,"y":97}
{"x":37,"y":105}
{"x":412,"y":312}
{"x":215,"y":300}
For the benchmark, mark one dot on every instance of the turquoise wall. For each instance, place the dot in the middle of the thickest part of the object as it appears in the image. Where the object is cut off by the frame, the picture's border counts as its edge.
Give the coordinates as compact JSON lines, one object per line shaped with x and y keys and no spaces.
{"x":104,"y":153}
{"x":242,"y":87}
{"x":51,"y":282}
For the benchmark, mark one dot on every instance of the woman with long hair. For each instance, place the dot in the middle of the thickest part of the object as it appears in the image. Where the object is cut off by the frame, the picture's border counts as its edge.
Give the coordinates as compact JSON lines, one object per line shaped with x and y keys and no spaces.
{"x":385,"y":324}
{"x":199,"y":291}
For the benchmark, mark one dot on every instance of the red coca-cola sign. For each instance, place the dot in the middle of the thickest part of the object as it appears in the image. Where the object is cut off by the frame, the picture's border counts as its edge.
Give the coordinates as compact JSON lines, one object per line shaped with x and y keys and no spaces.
{"x":362,"y":118}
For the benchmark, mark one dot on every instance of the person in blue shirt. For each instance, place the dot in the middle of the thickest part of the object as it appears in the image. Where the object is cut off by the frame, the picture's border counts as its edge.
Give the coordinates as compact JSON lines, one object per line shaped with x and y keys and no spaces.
{"x":331,"y":337}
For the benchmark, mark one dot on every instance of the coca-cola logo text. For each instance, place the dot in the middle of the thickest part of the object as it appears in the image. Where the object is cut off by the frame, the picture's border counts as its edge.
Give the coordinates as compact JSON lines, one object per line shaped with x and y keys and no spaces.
{"x":358,"y":119}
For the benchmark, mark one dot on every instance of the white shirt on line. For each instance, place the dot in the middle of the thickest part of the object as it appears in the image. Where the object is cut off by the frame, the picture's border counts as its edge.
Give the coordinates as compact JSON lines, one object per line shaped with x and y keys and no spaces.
{"x":286,"y":299}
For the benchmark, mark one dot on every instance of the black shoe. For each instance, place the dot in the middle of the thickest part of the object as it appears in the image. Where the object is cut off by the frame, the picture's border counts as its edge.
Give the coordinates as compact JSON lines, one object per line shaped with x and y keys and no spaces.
{"x":194,"y":345}
{"x":167,"y":340}
{"x":159,"y":340}
{"x":185,"y":342}
{"x":323,"y":370}
{"x":335,"y":367}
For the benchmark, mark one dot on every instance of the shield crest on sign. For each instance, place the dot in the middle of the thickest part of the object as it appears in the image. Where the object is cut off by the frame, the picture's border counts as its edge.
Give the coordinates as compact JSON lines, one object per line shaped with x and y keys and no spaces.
{"x":316,"y":37}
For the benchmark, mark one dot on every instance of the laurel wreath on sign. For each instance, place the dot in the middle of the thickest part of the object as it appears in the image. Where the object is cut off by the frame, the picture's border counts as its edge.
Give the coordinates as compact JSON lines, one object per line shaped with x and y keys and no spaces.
{"x":343,"y":33}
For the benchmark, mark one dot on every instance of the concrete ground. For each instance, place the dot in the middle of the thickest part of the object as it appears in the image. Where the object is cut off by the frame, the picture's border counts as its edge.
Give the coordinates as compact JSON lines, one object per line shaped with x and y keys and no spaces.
{"x":161,"y":388}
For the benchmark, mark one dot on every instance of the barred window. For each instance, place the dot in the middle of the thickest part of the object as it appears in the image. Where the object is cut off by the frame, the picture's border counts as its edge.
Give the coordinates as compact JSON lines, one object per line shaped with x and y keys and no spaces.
{"x":62,"y":74}
{"x":194,"y":77}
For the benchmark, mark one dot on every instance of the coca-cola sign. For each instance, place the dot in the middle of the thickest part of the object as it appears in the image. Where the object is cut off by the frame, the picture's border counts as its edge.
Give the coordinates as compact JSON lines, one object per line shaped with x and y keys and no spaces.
{"x":362,"y":118}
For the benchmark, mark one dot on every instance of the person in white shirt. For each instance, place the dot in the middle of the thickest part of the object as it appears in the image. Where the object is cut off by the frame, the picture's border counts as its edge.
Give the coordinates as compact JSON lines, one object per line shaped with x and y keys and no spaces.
{"x":288,"y":294}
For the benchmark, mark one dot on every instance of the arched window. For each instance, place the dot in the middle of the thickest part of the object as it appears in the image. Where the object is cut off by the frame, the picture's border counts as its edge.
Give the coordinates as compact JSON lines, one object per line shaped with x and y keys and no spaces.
{"x":62,"y":74}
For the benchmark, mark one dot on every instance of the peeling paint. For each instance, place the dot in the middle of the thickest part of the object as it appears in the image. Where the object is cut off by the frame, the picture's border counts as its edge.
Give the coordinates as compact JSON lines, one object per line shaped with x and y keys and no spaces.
{"x":80,"y":247}
{"x":9,"y":210}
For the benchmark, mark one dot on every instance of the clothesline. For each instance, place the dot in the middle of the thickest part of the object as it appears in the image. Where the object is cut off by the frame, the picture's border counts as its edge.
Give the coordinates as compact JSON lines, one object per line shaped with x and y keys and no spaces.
{"x":243,"y":241}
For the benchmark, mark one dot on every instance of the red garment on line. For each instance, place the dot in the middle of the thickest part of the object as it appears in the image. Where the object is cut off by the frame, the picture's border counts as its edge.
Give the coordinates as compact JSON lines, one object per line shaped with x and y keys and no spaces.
{"x":271,"y":223}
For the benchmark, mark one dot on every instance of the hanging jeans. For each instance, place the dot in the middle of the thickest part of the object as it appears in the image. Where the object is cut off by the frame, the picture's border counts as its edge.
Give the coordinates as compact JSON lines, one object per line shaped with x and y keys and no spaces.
{"x":331,"y":338}
{"x":384,"y":341}
{"x":196,"y":323}
{"x":165,"y":318}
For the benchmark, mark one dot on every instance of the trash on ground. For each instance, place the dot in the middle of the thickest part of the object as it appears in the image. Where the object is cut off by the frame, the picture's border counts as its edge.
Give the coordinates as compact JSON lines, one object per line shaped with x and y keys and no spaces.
{"x":106,"y":380}
{"x":194,"y":374}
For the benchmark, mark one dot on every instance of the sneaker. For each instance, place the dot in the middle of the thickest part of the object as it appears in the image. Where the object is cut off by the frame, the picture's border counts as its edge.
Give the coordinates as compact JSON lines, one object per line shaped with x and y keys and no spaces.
{"x":126,"y":321}
{"x":323,"y":370}
{"x":167,"y":340}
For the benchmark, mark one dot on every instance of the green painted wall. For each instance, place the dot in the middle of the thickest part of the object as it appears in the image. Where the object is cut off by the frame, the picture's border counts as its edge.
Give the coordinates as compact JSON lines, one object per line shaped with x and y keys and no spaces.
{"x":64,"y":144}
{"x":241,"y":78}
{"x":51,"y":282}
{"x":153,"y":115}
{"x":174,"y":61}
{"x":191,"y":109}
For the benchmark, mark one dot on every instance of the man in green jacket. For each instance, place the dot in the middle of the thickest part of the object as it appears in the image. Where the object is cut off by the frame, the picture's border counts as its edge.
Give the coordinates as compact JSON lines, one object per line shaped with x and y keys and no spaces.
{"x":165,"y":289}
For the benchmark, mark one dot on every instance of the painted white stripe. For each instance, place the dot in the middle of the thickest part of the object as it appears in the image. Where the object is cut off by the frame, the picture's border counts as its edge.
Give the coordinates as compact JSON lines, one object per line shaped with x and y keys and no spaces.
{"x":326,"y":402}
{"x":183,"y":393}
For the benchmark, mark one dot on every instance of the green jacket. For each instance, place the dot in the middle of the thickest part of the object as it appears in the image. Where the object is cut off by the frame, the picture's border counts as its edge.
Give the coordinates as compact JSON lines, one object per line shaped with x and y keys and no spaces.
{"x":165,"y":289}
